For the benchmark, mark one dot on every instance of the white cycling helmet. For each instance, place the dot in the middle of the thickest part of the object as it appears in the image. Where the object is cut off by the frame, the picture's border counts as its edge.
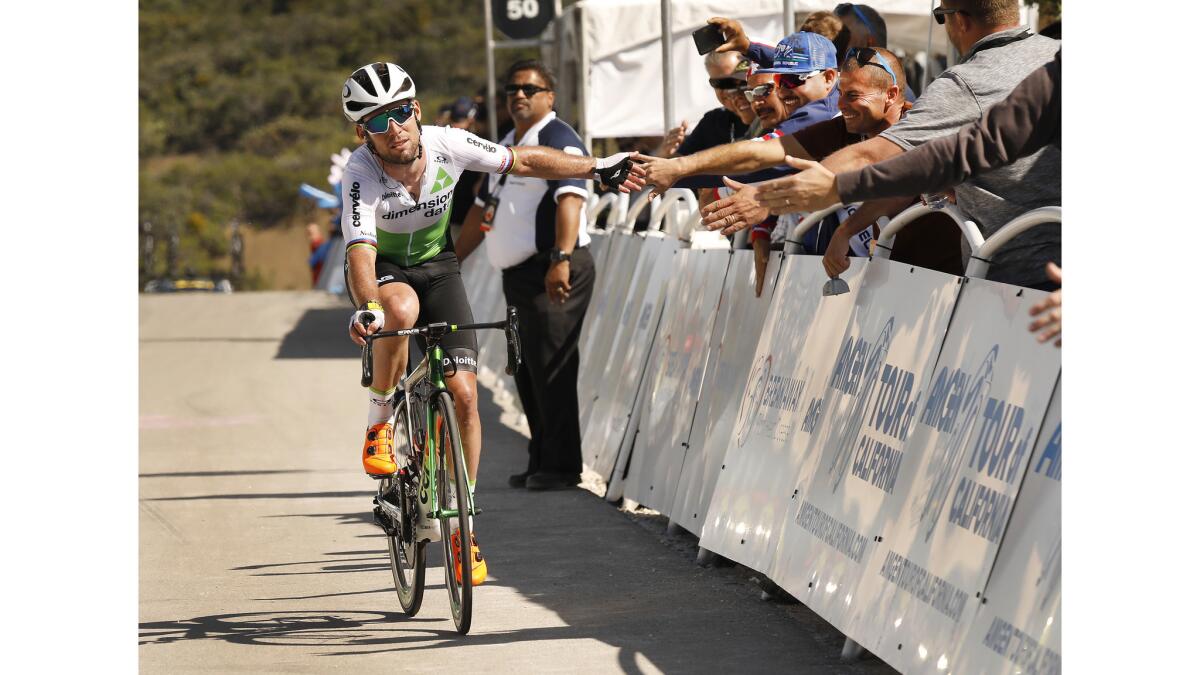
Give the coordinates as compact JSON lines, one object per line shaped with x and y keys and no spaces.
{"x":374,"y":86}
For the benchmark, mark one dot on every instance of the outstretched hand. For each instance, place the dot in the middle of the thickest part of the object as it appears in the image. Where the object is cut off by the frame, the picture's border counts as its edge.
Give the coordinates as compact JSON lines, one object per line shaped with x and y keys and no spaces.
{"x":813,"y":189}
{"x":673,"y":139}
{"x":735,"y":212}
{"x":660,"y":173}
{"x":620,"y":172}
{"x":1050,"y":310}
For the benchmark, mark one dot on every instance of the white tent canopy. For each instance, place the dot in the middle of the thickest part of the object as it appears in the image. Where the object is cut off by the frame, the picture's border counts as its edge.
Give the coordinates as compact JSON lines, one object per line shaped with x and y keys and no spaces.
{"x":616,"y":47}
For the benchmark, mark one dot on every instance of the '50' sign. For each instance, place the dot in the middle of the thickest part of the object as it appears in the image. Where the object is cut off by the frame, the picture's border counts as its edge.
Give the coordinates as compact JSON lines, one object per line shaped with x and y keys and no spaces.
{"x":522,"y":19}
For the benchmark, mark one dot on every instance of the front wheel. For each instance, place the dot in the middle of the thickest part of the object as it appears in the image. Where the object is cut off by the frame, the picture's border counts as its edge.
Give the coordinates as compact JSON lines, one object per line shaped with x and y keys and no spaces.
{"x":452,"y":493}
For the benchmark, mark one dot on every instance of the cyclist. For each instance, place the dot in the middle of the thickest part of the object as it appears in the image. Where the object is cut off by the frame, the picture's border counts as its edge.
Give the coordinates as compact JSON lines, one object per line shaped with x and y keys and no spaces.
{"x":400,"y":264}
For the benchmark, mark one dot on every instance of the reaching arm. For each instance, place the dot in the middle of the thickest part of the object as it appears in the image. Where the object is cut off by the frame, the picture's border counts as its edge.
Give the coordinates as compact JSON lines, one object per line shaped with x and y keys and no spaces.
{"x":858,"y":155}
{"x":731,"y":158}
{"x":543,"y":162}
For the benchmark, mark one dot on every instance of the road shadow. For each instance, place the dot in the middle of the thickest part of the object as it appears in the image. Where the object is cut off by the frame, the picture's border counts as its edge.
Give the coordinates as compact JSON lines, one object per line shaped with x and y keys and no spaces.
{"x":319,"y":334}
{"x":605,"y":575}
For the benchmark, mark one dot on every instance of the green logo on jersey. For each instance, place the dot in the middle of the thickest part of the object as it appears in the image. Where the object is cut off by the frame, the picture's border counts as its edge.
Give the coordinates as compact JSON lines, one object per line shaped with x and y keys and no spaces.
{"x":442,"y":181}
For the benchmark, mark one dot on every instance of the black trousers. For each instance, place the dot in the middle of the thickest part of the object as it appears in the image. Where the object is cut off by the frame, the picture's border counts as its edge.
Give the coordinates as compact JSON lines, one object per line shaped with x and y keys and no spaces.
{"x":547,"y":379}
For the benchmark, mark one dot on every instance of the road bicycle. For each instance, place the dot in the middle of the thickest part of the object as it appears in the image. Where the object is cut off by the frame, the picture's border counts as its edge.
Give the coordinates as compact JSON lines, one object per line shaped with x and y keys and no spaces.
{"x":427,"y":499}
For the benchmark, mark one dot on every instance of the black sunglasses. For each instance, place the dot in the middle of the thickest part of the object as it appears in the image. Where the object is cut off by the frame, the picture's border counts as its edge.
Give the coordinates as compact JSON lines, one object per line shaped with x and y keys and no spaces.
{"x":864,"y":55}
{"x":528,"y":89}
{"x":939,"y":14}
{"x":726,"y":83}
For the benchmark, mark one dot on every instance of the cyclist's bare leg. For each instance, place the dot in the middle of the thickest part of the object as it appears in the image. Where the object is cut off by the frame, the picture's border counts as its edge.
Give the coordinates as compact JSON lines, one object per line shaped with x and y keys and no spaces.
{"x":462,"y":386}
{"x":400,"y":309}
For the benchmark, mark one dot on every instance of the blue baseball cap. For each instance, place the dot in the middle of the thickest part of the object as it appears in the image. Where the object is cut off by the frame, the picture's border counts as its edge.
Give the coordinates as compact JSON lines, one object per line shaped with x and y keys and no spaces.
{"x":803,"y":52}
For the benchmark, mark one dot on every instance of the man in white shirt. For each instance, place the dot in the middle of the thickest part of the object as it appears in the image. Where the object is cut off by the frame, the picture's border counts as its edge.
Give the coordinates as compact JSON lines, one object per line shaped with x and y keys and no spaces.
{"x":537,"y":236}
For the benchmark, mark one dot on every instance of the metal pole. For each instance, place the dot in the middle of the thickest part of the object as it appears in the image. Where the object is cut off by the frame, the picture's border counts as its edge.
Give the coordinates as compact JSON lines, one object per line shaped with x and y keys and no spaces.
{"x":560,"y":57}
{"x":668,"y":67}
{"x":585,"y":64}
{"x":789,"y":17}
{"x":928,"y":48}
{"x":491,"y":70}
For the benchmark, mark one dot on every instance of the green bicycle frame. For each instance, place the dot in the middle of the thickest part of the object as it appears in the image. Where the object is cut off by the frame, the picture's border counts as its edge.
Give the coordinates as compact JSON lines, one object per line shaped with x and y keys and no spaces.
{"x":436,"y":375}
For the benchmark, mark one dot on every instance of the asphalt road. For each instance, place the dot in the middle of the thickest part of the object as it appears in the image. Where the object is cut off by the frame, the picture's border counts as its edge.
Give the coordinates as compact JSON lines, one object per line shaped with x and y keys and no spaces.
{"x":257,"y":553}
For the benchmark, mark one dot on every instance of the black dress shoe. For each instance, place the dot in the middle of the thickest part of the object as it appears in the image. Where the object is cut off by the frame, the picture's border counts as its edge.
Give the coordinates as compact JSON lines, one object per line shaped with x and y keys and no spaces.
{"x":545,"y":480}
{"x":517,"y":480}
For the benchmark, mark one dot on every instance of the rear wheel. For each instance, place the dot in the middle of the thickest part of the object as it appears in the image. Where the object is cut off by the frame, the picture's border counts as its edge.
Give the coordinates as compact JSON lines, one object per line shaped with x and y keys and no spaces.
{"x":452,"y":489}
{"x":407,"y":557}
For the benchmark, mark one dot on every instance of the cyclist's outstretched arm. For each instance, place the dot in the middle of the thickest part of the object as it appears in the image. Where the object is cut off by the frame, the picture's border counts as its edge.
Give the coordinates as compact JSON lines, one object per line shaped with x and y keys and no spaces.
{"x":539,"y":161}
{"x":542,"y":162}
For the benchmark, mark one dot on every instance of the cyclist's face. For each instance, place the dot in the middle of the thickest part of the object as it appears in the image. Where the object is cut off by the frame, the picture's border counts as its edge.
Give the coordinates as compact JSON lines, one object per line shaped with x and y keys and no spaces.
{"x":529,"y":109}
{"x":401,"y":143}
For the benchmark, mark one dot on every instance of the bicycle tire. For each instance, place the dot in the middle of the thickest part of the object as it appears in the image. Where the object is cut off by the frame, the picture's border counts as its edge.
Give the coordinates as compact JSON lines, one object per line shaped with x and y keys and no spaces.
{"x":410,"y":591}
{"x":450,"y":444}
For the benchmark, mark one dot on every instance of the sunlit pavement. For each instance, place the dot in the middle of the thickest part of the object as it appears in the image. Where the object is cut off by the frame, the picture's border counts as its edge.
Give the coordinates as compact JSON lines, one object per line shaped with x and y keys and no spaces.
{"x":257,"y":553}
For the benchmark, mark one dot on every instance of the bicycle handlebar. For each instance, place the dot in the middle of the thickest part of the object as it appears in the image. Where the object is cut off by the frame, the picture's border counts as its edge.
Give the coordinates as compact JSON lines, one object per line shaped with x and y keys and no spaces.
{"x":439,"y":330}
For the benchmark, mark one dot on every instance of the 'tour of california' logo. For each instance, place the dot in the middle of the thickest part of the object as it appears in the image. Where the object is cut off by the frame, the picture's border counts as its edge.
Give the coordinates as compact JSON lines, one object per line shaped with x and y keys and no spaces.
{"x":954,"y":406}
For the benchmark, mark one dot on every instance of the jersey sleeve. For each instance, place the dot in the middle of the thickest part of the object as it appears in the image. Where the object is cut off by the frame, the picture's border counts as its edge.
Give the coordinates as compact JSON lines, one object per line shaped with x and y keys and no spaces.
{"x":360,"y":199}
{"x":476,"y":154}
{"x":560,"y":136}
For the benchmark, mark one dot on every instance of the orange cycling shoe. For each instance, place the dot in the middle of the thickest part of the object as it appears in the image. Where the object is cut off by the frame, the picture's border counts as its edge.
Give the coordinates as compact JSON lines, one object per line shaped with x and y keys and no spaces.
{"x":478,"y":566}
{"x":378,"y":459}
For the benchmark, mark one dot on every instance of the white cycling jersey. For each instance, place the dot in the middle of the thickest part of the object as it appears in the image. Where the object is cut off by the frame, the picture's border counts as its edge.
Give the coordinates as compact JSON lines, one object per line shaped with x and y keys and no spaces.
{"x":378,"y":211}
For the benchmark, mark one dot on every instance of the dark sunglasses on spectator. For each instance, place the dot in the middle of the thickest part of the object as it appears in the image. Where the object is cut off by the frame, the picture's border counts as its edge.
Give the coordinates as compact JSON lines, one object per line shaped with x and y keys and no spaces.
{"x":726,"y":83}
{"x":864,"y":55}
{"x":847,"y":7}
{"x":939,"y":14}
{"x":528,"y":89}
{"x":379,"y":123}
{"x":793,"y":80}
{"x":761,"y":91}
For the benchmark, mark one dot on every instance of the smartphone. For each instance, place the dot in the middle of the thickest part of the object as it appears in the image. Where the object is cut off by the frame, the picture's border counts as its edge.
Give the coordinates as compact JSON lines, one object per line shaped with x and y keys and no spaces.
{"x":708,"y":38}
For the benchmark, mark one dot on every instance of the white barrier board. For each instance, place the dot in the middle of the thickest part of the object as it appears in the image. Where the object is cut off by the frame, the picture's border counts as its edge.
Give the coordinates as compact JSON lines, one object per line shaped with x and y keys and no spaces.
{"x":618,"y":386}
{"x":1019,"y":628}
{"x":485,"y":292}
{"x":674,"y":373}
{"x":602,"y":320}
{"x":601,"y":241}
{"x":740,"y":317}
{"x":971,"y":442}
{"x":794,"y":357}
{"x":867,"y":408}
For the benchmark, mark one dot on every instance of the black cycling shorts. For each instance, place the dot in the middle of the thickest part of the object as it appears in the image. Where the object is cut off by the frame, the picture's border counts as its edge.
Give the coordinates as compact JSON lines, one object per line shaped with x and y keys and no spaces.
{"x":440,"y":291}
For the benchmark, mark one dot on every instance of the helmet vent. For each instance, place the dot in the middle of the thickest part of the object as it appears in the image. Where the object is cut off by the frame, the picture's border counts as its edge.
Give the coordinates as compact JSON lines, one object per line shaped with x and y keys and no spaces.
{"x":385,"y":78}
{"x":406,"y":85}
{"x":355,"y":106}
{"x":364,"y":81}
